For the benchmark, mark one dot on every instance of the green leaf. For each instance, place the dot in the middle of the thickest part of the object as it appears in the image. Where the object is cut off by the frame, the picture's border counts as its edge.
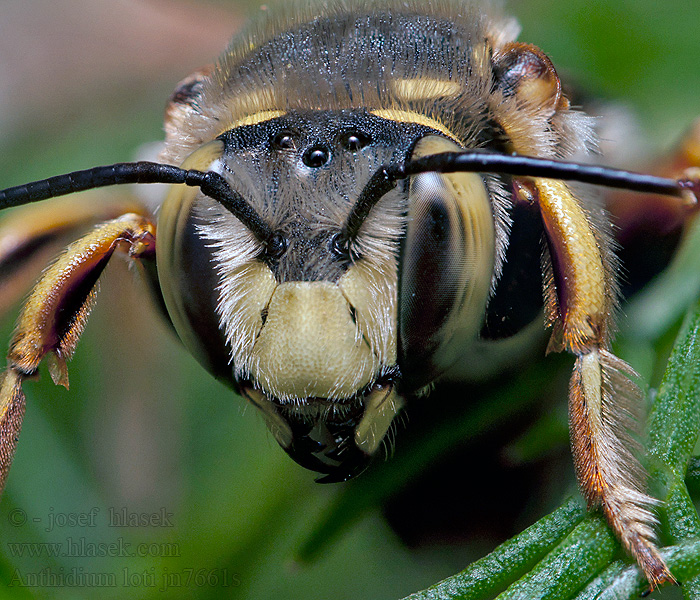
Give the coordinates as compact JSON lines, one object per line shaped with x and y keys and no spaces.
{"x":617,"y":583}
{"x":586,"y":551}
{"x":674,"y":425}
{"x":674,"y":421}
{"x":510,"y":560}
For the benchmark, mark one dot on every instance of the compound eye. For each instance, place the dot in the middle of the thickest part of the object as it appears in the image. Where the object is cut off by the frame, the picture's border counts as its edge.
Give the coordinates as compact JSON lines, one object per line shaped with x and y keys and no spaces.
{"x":354,"y":141}
{"x":446,"y":267}
{"x":316,"y":157}
{"x":284,"y":140}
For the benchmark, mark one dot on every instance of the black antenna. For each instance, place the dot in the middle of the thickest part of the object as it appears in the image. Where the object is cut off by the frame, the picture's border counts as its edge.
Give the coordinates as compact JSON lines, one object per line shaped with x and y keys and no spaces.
{"x":379,"y":184}
{"x":482,"y":161}
{"x":211,"y":184}
{"x":384,"y":179}
{"x":516,"y":164}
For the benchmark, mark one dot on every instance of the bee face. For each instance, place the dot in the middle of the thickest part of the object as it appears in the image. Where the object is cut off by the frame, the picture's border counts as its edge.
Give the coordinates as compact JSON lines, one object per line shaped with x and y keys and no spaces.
{"x":308,"y":329}
{"x":300,"y":335}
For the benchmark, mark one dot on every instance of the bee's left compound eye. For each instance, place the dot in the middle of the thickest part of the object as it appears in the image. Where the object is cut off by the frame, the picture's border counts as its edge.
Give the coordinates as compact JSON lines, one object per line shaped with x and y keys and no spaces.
{"x":446,"y":268}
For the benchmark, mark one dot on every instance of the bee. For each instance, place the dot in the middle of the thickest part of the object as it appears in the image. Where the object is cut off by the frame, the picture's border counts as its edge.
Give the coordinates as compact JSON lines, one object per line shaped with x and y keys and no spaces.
{"x":345,"y":184}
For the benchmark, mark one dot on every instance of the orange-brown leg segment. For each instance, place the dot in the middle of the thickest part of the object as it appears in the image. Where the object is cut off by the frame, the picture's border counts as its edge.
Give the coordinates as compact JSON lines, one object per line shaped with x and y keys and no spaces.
{"x":31,"y":235}
{"x":603,"y":398}
{"x":12,"y":407}
{"x":55,"y":314}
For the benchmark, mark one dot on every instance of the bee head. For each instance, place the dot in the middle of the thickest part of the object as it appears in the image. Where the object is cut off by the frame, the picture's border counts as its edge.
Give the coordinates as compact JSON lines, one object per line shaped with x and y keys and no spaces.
{"x":318,"y":296}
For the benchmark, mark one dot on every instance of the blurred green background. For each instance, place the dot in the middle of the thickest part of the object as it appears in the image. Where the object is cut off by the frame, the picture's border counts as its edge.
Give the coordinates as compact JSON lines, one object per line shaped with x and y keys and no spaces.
{"x":143,"y":430}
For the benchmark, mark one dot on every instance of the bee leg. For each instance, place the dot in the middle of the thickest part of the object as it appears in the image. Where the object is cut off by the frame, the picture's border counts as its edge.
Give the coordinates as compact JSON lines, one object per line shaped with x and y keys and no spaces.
{"x":31,"y":235}
{"x":12,"y":407}
{"x":55,"y":314}
{"x":603,"y":398}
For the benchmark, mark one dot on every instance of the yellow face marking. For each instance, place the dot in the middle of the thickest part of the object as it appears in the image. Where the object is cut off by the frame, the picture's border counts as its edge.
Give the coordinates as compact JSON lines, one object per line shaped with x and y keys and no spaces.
{"x":406,"y":116}
{"x":202,"y":158}
{"x":310,"y":345}
{"x":257,"y":118}
{"x":411,"y":90}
